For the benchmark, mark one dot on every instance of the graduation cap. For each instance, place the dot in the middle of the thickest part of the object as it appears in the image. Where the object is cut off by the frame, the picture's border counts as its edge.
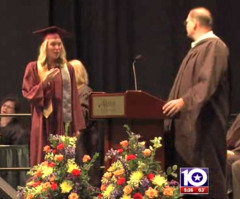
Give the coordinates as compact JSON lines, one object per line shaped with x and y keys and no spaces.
{"x":51,"y":32}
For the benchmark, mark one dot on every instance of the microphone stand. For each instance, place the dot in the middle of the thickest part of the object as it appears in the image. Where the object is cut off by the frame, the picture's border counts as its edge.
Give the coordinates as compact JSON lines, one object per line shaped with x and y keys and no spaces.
{"x":134,"y":75}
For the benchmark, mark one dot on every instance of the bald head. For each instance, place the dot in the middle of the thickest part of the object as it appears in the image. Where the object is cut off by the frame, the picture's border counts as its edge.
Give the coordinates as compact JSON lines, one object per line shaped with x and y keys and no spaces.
{"x":202,"y":15}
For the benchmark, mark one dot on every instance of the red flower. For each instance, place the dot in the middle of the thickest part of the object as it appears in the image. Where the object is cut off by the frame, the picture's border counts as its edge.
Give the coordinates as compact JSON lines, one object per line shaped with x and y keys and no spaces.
{"x":150,"y":176}
{"x":121,"y":181}
{"x":54,"y":151}
{"x":51,"y":164}
{"x":120,"y":150}
{"x":60,"y":146}
{"x":137,"y":196}
{"x":36,"y":184}
{"x":131,"y":157}
{"x":54,"y":186}
{"x":76,"y":172}
{"x":100,"y":195}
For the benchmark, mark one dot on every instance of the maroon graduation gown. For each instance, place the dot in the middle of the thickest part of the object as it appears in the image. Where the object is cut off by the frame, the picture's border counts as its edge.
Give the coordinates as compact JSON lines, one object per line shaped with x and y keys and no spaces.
{"x":38,"y":97}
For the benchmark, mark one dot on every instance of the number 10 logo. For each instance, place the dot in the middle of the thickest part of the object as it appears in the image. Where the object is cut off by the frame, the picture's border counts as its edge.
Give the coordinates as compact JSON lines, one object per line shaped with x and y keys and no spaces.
{"x":194,"y":180}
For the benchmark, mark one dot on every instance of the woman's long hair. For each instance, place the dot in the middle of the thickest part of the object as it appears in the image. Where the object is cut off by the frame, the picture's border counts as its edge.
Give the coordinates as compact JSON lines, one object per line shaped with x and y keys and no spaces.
{"x":80,"y":72}
{"x":42,"y":57}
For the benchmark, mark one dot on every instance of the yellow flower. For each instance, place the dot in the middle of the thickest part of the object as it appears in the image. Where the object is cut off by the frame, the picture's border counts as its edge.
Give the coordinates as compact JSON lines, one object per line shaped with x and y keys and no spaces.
{"x":66,"y":186}
{"x":62,"y":138}
{"x":29,"y":184}
{"x":71,"y":166}
{"x":107,"y":175}
{"x":156,"y":142}
{"x":116,"y":165}
{"x":46,"y":170}
{"x":151,"y":193}
{"x":70,"y":140}
{"x":108,"y":191}
{"x":105,"y":180}
{"x":159,"y":181}
{"x":137,"y":175}
{"x":38,"y":189}
{"x":126,"y":197}
{"x":142,"y":144}
{"x":141,"y":165}
{"x":135,"y":178}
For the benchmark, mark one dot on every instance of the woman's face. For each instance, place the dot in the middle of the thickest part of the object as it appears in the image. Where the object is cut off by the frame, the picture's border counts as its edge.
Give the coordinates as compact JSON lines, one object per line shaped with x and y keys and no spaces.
{"x":54,"y":48}
{"x":8,"y":107}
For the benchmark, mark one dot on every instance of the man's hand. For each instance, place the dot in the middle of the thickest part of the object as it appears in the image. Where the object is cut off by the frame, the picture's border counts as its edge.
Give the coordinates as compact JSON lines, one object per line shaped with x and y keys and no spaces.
{"x":172,"y":107}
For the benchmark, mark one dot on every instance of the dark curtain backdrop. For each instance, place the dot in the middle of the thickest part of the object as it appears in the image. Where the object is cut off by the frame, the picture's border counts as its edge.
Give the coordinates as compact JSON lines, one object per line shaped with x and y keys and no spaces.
{"x":107,"y":34}
{"x":18,"y":18}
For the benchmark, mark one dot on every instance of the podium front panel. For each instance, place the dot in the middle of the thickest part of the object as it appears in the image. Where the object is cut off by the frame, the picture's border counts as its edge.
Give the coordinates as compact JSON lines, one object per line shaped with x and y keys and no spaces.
{"x":108,"y":106}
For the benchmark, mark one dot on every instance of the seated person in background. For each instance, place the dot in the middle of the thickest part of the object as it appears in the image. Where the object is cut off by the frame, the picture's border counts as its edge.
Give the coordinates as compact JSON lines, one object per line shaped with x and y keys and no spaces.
{"x":233,"y":158}
{"x":11,"y":131}
{"x":88,"y":141}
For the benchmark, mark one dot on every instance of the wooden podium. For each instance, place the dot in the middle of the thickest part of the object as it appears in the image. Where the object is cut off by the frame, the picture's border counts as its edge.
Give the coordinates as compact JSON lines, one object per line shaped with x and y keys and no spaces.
{"x":138,"y":109}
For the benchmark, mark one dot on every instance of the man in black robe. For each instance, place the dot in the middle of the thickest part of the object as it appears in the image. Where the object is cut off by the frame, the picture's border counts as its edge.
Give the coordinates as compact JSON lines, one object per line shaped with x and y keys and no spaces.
{"x":201,"y":94}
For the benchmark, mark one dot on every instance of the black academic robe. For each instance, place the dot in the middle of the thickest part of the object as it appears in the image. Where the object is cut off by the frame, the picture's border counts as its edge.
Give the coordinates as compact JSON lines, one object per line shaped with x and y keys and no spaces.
{"x":90,"y":140}
{"x":200,"y":131}
{"x":233,"y":169}
{"x":14,"y":134}
{"x":233,"y":136}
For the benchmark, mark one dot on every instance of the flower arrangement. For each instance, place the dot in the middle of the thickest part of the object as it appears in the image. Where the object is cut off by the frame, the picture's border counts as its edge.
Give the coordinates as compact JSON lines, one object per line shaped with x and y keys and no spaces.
{"x":59,"y":176}
{"x":135,"y":174}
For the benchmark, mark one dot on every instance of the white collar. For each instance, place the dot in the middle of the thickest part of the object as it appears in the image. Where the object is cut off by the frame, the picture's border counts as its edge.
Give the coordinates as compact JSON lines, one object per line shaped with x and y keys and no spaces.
{"x":209,"y":34}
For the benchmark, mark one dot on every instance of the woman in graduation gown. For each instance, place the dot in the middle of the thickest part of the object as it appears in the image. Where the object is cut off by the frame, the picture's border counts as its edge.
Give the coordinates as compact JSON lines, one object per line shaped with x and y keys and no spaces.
{"x":49,"y":85}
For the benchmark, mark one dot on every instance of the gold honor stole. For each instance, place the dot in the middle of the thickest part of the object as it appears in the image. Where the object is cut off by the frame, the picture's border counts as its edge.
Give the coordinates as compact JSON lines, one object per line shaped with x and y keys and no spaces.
{"x":42,"y":73}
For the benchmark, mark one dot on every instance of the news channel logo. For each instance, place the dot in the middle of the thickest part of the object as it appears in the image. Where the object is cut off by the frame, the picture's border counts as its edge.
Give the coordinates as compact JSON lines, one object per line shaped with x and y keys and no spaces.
{"x":194,"y":180}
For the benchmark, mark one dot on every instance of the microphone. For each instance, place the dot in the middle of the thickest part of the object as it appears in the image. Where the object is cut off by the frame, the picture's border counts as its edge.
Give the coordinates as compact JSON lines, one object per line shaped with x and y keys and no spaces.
{"x":134,"y":70}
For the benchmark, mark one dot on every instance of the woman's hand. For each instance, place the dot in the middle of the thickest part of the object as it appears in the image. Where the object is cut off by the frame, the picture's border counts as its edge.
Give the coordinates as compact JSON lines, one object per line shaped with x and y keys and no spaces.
{"x":78,"y":133}
{"x":51,"y":74}
{"x":230,"y":153}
